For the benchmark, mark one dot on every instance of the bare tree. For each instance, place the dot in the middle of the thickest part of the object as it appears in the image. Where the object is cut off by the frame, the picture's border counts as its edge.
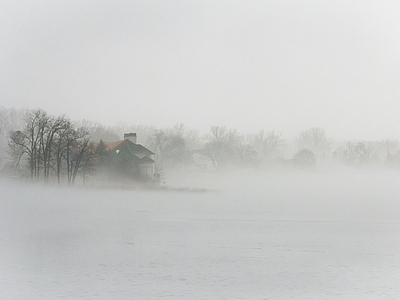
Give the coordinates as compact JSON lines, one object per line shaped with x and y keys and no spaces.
{"x":267,"y":144}
{"x":50,"y":128}
{"x":88,"y":162}
{"x":223,"y":146}
{"x":4,"y":120}
{"x":17,"y":149}
{"x":315,"y":140}
{"x":99,"y":132}
{"x":60,"y":145}
{"x":27,"y":142}
{"x":168,"y":145}
{"x":75,"y":144}
{"x":355,"y":154}
{"x":46,"y":142}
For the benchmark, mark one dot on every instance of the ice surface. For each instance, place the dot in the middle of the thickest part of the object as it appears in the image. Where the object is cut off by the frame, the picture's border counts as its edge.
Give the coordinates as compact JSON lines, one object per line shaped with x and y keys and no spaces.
{"x":273,"y":237}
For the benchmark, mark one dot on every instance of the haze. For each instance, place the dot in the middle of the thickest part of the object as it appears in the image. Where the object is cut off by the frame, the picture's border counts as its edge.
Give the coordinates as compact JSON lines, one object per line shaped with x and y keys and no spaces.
{"x":277,"y":236}
{"x":302,"y":226}
{"x":283,"y":65}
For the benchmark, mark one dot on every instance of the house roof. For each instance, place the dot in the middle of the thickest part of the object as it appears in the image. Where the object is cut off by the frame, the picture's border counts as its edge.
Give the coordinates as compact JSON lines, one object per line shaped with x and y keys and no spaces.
{"x":112,"y":145}
{"x":146,"y":159}
{"x":128,"y":145}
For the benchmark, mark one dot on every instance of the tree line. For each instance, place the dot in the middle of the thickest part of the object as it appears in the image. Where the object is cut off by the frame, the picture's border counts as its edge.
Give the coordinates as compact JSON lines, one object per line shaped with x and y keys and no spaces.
{"x":54,"y":148}
{"x":50,"y":146}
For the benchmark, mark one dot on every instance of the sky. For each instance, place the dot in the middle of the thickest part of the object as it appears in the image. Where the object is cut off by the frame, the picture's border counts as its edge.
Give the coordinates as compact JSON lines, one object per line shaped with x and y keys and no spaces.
{"x":250,"y":65}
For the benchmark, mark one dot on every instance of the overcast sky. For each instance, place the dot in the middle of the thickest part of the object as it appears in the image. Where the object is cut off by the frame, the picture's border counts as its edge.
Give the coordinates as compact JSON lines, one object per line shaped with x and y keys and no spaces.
{"x":250,"y":65}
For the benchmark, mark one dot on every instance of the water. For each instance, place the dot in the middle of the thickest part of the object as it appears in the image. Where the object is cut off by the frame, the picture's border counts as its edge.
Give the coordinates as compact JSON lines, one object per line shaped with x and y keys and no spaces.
{"x":110,"y":244}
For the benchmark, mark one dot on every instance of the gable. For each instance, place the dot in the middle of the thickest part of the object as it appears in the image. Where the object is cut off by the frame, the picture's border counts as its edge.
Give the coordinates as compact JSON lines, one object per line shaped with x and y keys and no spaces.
{"x":137,"y":148}
{"x":127,"y":145}
{"x":147,"y":159}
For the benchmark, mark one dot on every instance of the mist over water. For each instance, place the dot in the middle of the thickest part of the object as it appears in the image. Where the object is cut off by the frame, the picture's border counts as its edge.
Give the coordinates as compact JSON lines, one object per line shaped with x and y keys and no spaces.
{"x":208,"y":85}
{"x":315,"y":235}
{"x":355,"y":195}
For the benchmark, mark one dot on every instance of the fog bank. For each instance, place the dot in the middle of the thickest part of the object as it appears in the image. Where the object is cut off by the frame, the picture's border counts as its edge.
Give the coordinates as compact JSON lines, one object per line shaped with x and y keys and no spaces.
{"x":279,"y":236}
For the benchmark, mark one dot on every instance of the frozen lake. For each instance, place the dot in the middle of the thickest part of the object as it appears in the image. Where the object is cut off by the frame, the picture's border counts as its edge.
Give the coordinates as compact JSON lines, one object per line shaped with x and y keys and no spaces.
{"x":276,"y":237}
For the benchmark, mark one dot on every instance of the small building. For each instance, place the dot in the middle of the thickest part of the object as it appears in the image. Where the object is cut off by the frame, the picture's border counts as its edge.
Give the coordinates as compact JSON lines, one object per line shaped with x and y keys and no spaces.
{"x":129,"y":159}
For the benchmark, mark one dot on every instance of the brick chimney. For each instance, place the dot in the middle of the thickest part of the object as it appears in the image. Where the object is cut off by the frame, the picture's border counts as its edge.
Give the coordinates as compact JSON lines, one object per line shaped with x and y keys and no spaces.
{"x":130,"y":136}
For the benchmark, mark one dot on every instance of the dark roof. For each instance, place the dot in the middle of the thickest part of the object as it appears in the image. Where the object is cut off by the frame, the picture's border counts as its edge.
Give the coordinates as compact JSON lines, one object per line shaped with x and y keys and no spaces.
{"x":146,"y":159}
{"x":132,"y":147}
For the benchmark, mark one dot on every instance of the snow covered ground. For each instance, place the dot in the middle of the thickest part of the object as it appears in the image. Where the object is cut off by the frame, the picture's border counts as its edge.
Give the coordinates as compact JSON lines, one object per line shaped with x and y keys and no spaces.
{"x":281,"y":236}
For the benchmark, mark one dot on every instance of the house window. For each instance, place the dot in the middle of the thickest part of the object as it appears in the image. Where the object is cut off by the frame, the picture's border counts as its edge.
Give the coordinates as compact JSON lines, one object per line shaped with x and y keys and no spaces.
{"x":145,"y":170}
{"x":149,"y":170}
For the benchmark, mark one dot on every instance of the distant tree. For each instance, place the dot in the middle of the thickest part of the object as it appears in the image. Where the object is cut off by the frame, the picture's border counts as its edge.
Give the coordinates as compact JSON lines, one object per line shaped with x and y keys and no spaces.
{"x":98,"y":131}
{"x":192,"y":140}
{"x":169,"y":146}
{"x":304,"y":158}
{"x":144,"y":132}
{"x":4,"y":120}
{"x":11,"y":118}
{"x":88,"y":162}
{"x":101,"y":156}
{"x":223,"y":146}
{"x":248,"y":156}
{"x":45,"y":143}
{"x":354,"y":154}
{"x":392,"y":152}
{"x":315,"y":140}
{"x":159,"y":144}
{"x":27,"y":142}
{"x":48,"y":138}
{"x":61,"y":147}
{"x":17,"y":149}
{"x":267,"y":144}
{"x":176,"y":145}
{"x":77,"y":142}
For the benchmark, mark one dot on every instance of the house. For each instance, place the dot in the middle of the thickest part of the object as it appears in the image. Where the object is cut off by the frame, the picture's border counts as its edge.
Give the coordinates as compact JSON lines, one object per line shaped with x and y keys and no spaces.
{"x":131,"y":160}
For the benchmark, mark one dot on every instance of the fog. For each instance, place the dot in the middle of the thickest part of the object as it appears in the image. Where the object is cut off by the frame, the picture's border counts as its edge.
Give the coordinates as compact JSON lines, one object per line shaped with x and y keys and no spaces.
{"x":323,"y":224}
{"x":284,"y":65}
{"x":302,"y":235}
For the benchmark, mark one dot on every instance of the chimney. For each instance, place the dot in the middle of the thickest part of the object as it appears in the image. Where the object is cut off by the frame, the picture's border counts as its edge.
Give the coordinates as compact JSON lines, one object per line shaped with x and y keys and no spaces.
{"x":130,"y":136}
